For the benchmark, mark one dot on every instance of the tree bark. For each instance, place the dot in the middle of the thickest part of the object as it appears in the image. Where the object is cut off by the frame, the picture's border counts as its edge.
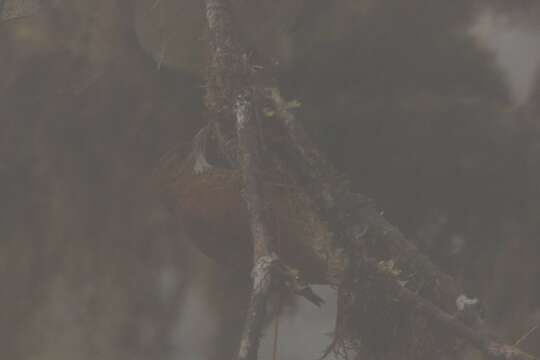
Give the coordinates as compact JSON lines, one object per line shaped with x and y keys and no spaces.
{"x":354,"y":217}
{"x":230,"y":90}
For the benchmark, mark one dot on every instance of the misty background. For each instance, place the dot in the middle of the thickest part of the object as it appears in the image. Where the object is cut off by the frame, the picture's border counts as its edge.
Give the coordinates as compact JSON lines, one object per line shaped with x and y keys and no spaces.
{"x":431,"y":107}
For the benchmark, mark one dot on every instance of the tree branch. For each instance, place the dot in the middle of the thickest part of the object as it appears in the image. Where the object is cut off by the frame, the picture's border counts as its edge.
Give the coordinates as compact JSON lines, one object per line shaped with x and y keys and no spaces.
{"x":264,"y":257}
{"x":230,"y":93}
{"x":491,"y":347}
{"x":352,"y":216}
{"x":355,"y":217}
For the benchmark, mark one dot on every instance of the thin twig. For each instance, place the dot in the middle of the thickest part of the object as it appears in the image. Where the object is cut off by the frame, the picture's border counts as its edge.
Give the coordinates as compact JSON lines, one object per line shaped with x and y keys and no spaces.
{"x":276,"y":328}
{"x":526,"y":335}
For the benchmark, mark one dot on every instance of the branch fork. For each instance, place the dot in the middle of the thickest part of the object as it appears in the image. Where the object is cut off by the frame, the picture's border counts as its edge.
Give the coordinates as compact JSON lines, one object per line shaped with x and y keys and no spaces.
{"x":230,"y":96}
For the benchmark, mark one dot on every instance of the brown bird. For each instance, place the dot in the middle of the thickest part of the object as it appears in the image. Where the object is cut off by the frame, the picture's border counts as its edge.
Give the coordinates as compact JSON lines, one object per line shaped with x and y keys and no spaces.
{"x":216,"y":220}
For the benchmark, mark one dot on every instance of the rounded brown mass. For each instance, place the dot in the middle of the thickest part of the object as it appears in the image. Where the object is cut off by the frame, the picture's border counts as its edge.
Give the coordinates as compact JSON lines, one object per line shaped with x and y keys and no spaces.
{"x":214,"y":216}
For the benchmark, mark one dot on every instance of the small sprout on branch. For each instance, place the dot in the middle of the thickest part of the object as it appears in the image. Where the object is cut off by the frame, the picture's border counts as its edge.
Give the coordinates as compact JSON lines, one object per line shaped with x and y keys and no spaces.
{"x":269,"y":113}
{"x":403,"y":283}
{"x":388,"y":267}
{"x":463,"y":302}
{"x":200,"y":165}
{"x":293,"y":104}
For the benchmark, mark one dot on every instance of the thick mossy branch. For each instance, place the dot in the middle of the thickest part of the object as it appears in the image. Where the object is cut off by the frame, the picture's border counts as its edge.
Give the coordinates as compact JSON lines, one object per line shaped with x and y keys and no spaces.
{"x":374,"y":246}
{"x":356,"y":217}
{"x":357,"y":220}
{"x":251,"y":166}
{"x":229,"y":89}
{"x":228,"y":73}
{"x":491,"y":347}
{"x":347,"y":209}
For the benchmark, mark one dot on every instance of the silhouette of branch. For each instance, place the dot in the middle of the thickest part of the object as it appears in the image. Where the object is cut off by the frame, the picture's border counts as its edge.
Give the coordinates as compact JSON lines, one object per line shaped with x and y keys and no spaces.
{"x":354,"y":216}
{"x":230,"y":94}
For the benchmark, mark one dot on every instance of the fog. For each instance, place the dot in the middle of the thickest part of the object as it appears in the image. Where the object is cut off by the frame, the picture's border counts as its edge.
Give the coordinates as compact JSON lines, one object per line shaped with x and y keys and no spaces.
{"x":430,"y":107}
{"x":516,"y":48}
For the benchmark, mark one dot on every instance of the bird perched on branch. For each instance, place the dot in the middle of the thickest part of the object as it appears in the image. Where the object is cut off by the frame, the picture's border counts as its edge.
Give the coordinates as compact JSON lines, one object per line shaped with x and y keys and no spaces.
{"x":213,"y":213}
